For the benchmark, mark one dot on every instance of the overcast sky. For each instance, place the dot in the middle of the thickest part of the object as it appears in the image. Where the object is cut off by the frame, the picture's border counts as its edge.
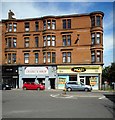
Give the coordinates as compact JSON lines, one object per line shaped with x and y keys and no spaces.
{"x":34,"y":9}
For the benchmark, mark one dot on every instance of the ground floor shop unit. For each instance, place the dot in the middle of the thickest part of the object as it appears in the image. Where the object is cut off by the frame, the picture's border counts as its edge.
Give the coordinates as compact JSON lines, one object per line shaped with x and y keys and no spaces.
{"x":46,"y":75}
{"x":10,"y":75}
{"x":87,"y":74}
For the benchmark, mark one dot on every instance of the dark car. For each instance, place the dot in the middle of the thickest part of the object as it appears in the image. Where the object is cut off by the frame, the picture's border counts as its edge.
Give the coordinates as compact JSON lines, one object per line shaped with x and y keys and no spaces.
{"x":6,"y":86}
{"x":33,"y":86}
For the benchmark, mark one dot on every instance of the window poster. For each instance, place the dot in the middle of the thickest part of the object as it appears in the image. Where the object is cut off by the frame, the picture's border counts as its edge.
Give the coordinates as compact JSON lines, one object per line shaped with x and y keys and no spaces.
{"x":94,"y":82}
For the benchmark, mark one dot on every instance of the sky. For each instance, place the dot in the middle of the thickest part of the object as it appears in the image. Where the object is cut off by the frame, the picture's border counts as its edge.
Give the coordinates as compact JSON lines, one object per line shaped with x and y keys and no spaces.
{"x":37,"y":8}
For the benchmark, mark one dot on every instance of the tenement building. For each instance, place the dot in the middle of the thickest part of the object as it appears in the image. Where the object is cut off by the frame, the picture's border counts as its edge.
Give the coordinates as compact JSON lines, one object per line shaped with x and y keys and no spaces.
{"x":53,"y":50}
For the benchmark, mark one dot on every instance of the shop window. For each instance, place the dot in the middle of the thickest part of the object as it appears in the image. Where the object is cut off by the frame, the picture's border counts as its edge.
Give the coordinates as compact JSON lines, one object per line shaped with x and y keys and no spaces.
{"x":27,"y":26}
{"x":73,"y":78}
{"x":26,"y":58}
{"x":26,"y":42}
{"x":36,"y":42}
{"x":36,"y":26}
{"x":66,"y":57}
{"x":36,"y":57}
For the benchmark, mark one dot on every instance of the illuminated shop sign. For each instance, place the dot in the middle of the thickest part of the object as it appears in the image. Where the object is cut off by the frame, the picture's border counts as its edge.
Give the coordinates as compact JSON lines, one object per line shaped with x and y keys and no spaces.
{"x":78,"y":69}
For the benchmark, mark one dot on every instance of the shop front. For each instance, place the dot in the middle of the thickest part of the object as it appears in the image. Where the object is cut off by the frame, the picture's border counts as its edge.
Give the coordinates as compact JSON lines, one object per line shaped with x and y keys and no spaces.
{"x":87,"y":74}
{"x":45,"y":75}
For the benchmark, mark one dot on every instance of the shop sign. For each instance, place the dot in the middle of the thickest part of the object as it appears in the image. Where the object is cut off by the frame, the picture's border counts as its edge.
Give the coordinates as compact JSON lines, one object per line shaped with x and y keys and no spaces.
{"x":36,"y":70}
{"x":62,"y":81}
{"x":78,"y":69}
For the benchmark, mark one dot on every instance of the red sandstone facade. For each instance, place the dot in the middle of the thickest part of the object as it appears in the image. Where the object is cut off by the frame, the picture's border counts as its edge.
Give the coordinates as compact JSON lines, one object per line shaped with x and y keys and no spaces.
{"x":53,"y":40}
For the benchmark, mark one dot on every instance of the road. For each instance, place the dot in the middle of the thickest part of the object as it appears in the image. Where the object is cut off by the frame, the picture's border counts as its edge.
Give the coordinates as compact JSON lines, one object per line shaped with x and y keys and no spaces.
{"x":55,"y":104}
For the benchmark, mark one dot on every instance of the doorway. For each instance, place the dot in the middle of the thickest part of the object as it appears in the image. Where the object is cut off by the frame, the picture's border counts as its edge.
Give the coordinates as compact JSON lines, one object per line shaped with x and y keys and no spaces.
{"x":82,"y":79}
{"x":52,"y":83}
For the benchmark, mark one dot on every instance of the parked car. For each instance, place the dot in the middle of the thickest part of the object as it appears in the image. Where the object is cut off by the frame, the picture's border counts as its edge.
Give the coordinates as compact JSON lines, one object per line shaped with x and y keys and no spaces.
{"x":5,"y":86}
{"x":33,"y":86}
{"x":73,"y":85}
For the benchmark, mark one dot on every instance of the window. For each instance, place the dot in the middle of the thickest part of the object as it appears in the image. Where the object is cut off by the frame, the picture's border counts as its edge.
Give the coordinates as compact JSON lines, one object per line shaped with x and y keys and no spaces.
{"x":14,"y":58}
{"x":36,"y":42}
{"x":26,"y":42}
{"x":53,"y":24}
{"x":48,"y":40}
{"x":36,"y":57}
{"x":73,"y":78}
{"x":64,"y":24}
{"x":93,"y":21}
{"x":93,"y":56}
{"x":98,"y":20}
{"x":93,"y":38}
{"x":49,"y":24}
{"x":53,"y":57}
{"x":9,"y":42}
{"x":98,"y":38}
{"x":44,"y":23}
{"x":66,"y":57}
{"x":67,"y":24}
{"x":15,"y":27}
{"x":49,"y":57}
{"x":26,"y":57}
{"x":9,"y":58}
{"x":36,"y":26}
{"x":14,"y":42}
{"x":27,"y":26}
{"x":44,"y":38}
{"x":10,"y":27}
{"x":66,"y":40}
{"x":53,"y":40}
{"x":98,"y":56}
{"x":6,"y":41}
{"x":44,"y":57}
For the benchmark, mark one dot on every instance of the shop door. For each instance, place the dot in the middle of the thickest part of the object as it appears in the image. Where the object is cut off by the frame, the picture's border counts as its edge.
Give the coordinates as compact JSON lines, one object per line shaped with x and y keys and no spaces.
{"x":82,"y":79}
{"x":52,"y":83}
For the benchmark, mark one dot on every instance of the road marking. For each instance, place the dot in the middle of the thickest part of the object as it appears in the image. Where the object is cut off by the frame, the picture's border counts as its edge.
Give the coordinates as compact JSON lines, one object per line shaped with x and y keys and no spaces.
{"x":61,"y":96}
{"x":103,"y":97}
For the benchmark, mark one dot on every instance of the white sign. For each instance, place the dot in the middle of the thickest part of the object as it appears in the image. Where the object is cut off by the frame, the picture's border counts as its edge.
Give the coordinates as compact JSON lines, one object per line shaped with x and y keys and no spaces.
{"x":36,"y":70}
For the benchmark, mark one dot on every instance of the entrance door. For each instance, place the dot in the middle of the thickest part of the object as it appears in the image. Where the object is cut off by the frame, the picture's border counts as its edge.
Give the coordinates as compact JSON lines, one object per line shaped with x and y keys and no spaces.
{"x":82,"y":79}
{"x":52,"y":83}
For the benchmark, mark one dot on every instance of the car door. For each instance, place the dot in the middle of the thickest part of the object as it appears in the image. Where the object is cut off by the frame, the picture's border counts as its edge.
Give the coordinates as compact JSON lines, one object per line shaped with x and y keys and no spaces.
{"x":74,"y":85}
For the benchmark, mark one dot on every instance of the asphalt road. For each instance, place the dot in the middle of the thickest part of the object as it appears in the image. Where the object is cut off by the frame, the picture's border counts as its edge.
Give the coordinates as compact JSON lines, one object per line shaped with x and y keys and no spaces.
{"x":55,"y":104}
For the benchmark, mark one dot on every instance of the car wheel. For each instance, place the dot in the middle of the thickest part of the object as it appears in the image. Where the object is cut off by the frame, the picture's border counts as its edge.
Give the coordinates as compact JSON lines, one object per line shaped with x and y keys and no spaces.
{"x":4,"y":88}
{"x":69,"y":89}
{"x":86,"y":89}
{"x":24,"y":88}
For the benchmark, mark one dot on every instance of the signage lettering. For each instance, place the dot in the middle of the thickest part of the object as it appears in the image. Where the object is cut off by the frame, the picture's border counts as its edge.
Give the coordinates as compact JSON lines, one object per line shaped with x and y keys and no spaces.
{"x":78,"y":69}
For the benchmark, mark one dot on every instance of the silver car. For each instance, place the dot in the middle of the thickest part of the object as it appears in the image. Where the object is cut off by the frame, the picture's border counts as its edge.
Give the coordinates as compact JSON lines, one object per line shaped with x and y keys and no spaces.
{"x":73,"y":85}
